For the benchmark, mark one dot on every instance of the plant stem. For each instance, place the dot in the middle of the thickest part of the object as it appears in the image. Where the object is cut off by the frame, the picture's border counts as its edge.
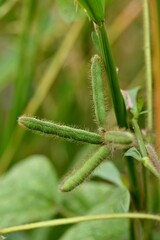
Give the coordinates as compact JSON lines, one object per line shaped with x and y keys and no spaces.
{"x":148,"y":63}
{"x":118,"y":102}
{"x":139,"y":138}
{"x":59,"y":222}
{"x":144,"y":155}
{"x":133,"y":182}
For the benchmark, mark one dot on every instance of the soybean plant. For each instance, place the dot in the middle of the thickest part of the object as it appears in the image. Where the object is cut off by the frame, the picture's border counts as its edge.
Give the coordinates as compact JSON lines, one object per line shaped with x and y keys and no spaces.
{"x":101,"y":138}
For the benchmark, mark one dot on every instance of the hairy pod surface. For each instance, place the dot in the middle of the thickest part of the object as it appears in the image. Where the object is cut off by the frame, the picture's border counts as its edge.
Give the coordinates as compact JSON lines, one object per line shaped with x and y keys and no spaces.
{"x":89,"y":166}
{"x":97,"y":90}
{"x":53,"y":129}
{"x":118,"y":137}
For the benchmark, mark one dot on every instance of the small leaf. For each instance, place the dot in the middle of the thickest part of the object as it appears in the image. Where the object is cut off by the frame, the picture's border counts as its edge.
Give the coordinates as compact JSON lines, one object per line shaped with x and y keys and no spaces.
{"x":140,"y":104}
{"x":133,"y":152}
{"x":133,"y":93}
{"x":28,"y":192}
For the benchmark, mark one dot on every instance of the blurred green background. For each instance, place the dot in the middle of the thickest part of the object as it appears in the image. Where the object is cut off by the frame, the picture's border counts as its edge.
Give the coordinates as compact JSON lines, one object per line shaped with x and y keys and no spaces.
{"x":45,"y":70}
{"x":45,"y":53}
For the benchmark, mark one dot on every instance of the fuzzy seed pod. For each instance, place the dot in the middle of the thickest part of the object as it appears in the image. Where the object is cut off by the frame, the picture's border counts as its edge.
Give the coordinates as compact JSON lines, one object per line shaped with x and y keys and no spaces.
{"x":82,"y":174}
{"x":53,"y":129}
{"x":119,"y":137}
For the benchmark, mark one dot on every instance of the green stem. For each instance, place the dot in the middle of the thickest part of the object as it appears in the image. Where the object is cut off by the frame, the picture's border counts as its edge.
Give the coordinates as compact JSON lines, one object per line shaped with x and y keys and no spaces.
{"x":139,"y":138}
{"x":145,"y":159}
{"x":144,"y":155}
{"x":133,"y":182}
{"x":118,"y":102}
{"x":74,"y":220}
{"x":148,"y":63}
{"x":145,"y":183}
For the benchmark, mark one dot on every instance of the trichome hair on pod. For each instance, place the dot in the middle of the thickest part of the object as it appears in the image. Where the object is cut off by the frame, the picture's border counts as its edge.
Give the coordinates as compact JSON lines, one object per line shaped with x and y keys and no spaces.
{"x":52,"y":129}
{"x":86,"y":170}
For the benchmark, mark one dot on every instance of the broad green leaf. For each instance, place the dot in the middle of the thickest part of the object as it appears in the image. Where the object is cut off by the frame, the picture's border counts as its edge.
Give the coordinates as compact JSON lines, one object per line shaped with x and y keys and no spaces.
{"x":108,"y":171}
{"x":134,"y":153}
{"x":28,"y":192}
{"x":17,"y":236}
{"x":40,"y":233}
{"x":98,"y":198}
{"x":82,"y":200}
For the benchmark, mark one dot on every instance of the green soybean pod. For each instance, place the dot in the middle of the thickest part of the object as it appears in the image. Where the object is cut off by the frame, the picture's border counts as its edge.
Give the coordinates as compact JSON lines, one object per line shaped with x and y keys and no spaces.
{"x":82,"y":174}
{"x":119,"y":137}
{"x":97,"y":89}
{"x":48,"y":128}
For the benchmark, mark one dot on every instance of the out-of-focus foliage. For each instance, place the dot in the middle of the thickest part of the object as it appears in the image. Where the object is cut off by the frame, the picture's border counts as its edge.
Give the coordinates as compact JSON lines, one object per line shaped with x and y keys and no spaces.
{"x":34,"y":39}
{"x":28,"y":192}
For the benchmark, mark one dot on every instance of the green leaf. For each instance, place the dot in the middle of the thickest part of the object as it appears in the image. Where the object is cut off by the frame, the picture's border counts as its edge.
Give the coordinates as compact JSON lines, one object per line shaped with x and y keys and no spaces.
{"x":80,"y":202}
{"x":17,"y":236}
{"x":140,"y":104}
{"x":108,"y":171}
{"x":134,"y":153}
{"x":137,"y":104}
{"x":28,"y":192}
{"x":98,"y":198}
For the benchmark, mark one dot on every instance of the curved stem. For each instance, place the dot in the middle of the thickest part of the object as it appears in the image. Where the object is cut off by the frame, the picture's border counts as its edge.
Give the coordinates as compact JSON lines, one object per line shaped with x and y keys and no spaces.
{"x":74,"y":220}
